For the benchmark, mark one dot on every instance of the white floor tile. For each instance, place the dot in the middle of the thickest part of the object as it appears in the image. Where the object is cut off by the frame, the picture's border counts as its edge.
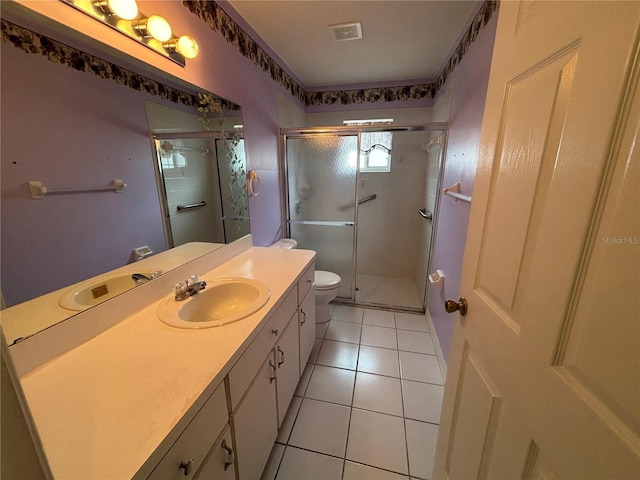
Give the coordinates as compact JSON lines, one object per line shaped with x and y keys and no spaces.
{"x":304,"y":380}
{"x":330,"y":384}
{"x":379,"y":318}
{"x":377,"y":393}
{"x":321,"y":427}
{"x":378,"y":440}
{"x":343,"y":331}
{"x":382,"y":361}
{"x":379,"y":337}
{"x":409,"y":321}
{"x":321,"y":329}
{"x":422,"y":401}
{"x":273,"y":463}
{"x":315,"y":350}
{"x":421,"y":368}
{"x":289,"y":419}
{"x":356,"y":471}
{"x":421,"y":440}
{"x":338,"y":354}
{"x":417,"y":342}
{"x":347,"y":314}
{"x":300,"y":464}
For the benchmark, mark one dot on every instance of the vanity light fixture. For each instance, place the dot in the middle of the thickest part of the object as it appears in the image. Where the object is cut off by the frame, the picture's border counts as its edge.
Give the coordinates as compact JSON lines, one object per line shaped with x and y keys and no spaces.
{"x":153,"y":31}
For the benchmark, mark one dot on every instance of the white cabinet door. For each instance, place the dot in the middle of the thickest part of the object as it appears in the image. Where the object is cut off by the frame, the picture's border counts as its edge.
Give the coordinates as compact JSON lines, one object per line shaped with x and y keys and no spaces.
{"x":307,"y":320}
{"x":543,"y":376}
{"x":288,"y":372}
{"x":256,"y":422}
{"x":221,"y":463}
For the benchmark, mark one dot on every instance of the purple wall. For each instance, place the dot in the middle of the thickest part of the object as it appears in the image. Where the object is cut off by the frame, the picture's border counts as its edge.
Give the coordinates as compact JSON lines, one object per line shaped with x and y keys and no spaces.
{"x":70,"y":129}
{"x":469,"y":87}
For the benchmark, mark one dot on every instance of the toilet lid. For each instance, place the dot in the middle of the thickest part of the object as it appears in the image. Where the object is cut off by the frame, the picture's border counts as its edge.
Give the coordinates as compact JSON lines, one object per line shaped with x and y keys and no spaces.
{"x":326,"y":280}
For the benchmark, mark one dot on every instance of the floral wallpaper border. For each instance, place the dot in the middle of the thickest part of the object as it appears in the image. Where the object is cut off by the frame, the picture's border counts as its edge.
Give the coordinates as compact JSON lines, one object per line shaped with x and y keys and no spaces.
{"x":57,"y":52}
{"x":218,"y":20}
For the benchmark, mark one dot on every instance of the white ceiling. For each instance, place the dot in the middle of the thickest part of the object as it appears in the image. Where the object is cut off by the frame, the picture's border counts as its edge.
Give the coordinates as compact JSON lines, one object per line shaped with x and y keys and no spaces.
{"x":403,"y":41}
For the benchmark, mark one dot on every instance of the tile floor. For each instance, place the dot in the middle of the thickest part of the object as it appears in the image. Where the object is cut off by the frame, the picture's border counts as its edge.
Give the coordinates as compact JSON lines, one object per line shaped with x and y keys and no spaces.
{"x":368,"y":404}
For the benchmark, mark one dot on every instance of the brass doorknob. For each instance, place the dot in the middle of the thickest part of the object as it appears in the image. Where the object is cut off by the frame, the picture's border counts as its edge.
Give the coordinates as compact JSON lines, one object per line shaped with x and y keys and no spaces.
{"x":452,"y":306}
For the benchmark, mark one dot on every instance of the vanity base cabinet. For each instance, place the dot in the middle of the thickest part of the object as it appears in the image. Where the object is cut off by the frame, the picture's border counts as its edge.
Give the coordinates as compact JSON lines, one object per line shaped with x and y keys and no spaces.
{"x":255,"y":423}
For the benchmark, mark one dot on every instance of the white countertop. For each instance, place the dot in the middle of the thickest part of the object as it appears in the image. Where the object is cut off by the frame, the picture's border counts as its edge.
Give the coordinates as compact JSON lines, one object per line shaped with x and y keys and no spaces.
{"x":101,"y":409}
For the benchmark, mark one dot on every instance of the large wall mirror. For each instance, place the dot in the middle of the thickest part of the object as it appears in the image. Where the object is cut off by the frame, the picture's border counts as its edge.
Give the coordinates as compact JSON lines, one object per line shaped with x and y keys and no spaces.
{"x":83,"y":127}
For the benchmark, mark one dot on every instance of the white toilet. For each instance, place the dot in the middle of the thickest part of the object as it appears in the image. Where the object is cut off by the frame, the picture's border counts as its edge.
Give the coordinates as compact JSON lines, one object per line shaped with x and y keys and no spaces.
{"x":326,"y":284}
{"x":326,"y":287}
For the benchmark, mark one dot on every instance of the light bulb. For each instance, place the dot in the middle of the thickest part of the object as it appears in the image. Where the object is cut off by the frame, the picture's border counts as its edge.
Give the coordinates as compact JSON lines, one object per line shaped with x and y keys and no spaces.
{"x":187,"y":46}
{"x":125,"y":9}
{"x":158,"y":28}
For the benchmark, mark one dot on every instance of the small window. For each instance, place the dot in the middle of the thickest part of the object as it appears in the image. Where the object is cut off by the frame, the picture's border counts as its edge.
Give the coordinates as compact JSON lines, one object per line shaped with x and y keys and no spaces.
{"x":375,"y":151}
{"x":173,"y":160}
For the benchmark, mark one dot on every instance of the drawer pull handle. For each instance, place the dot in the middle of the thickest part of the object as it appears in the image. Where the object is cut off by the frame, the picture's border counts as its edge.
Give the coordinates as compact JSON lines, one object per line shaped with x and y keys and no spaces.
{"x":187,"y":466}
{"x":275,"y":331}
{"x":272,"y":377}
{"x":281,"y":357}
{"x":228,"y":455}
{"x":309,"y":280}
{"x":304,"y":317}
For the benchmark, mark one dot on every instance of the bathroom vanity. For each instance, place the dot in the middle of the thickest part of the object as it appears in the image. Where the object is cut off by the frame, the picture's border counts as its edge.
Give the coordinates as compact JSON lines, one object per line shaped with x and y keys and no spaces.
{"x":142,"y":399}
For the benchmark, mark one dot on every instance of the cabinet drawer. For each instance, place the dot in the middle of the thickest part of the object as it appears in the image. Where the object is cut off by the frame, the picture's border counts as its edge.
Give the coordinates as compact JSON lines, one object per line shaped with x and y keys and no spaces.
{"x":247,"y":366}
{"x":306,"y":282}
{"x":196,"y":440}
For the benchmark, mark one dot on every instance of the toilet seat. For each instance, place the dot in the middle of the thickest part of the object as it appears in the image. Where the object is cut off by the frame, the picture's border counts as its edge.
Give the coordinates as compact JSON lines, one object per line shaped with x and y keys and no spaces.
{"x":326,"y":280}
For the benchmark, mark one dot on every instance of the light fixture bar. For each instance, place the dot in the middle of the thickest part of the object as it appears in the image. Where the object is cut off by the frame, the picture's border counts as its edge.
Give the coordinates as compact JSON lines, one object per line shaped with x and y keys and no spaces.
{"x":153,"y":31}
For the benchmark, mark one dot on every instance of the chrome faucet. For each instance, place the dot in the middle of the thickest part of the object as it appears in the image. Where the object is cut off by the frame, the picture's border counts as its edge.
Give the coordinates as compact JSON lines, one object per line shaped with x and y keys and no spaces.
{"x":140,"y":278}
{"x":184,"y":290}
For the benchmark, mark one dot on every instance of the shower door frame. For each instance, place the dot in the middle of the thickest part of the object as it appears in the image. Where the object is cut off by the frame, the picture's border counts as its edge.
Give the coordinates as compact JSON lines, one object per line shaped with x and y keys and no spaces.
{"x":286,"y":133}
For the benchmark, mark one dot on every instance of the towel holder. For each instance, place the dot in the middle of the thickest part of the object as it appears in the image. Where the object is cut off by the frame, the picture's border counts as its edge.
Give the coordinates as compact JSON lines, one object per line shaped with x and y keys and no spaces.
{"x":38,"y":190}
{"x":454,"y":191}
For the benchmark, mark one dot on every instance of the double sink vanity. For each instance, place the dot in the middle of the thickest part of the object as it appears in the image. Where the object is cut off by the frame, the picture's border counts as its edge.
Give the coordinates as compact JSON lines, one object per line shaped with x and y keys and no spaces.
{"x":147,"y":386}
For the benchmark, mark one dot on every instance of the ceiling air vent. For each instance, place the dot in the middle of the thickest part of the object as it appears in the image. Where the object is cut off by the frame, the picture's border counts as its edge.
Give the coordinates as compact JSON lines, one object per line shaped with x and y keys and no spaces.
{"x":346,"y":31}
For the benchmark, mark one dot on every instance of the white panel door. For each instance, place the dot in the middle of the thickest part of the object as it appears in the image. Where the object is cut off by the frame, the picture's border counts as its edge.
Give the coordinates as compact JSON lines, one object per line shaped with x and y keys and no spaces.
{"x":544,"y":371}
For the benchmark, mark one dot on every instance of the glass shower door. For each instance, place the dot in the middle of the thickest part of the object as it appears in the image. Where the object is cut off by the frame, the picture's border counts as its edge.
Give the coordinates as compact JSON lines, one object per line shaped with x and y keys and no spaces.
{"x":321,"y":172}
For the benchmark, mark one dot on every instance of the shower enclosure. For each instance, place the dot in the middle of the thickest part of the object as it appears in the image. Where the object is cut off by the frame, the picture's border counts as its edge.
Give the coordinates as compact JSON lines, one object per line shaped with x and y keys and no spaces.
{"x":202,"y":185}
{"x":364,"y":199}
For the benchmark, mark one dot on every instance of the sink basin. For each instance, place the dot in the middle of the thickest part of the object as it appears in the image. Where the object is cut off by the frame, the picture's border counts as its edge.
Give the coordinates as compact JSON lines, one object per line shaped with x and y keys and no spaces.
{"x":223,"y":301}
{"x":98,"y":290}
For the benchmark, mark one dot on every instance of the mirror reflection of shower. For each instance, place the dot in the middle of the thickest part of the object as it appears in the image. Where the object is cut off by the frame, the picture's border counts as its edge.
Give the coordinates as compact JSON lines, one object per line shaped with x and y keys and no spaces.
{"x":201,"y":176}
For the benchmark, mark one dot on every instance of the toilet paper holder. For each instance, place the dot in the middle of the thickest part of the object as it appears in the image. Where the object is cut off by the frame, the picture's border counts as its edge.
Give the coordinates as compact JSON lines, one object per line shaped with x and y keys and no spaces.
{"x":437,"y":279}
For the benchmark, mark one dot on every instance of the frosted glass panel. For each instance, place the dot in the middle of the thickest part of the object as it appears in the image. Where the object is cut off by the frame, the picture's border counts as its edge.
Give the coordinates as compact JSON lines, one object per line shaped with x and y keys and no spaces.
{"x":322,"y":177}
{"x":233,"y":177}
{"x":321,"y":171}
{"x":334,"y":248}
